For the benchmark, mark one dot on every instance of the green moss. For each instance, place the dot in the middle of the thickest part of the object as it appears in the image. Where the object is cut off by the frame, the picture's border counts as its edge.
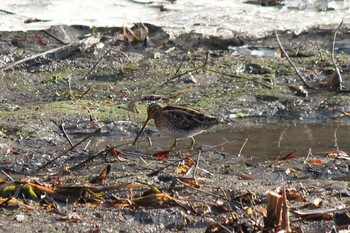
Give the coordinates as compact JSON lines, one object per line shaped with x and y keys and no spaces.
{"x":328,"y":69}
{"x":57,"y":79}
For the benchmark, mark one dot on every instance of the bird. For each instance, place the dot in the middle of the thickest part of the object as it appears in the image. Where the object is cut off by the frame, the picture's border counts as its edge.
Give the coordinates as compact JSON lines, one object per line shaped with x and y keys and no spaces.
{"x":178,"y":122}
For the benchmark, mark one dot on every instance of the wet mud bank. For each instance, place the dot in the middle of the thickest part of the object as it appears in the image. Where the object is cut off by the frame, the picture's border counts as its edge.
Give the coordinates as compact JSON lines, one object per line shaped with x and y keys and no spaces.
{"x":96,"y":83}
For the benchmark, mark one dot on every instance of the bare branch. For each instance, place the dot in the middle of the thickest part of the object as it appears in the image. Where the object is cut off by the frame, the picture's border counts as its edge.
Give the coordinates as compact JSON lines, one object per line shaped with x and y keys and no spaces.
{"x":333,"y":59}
{"x":290,"y":61}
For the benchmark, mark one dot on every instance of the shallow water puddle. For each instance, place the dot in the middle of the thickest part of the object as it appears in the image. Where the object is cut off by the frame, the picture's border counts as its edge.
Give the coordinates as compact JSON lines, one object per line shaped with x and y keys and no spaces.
{"x":265,"y":141}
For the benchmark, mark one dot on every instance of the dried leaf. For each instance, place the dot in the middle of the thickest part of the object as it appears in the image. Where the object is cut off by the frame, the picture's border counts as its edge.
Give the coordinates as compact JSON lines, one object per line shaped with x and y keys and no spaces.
{"x":250,"y":211}
{"x":71,"y":217}
{"x":115,"y":153}
{"x":333,"y":81}
{"x":243,"y":176}
{"x":286,"y":157}
{"x":35,"y":20}
{"x":157,"y":55}
{"x":14,"y":203}
{"x":62,"y":193}
{"x":41,"y":40}
{"x":294,"y":195}
{"x":26,"y":190}
{"x":189,"y":182}
{"x":185,"y":154}
{"x":108,"y":102}
{"x":154,"y":200}
{"x":294,"y":87}
{"x":12,"y":152}
{"x":316,"y":161}
{"x":187,"y":218}
{"x":317,"y":202}
{"x":31,"y":20}
{"x":190,"y":162}
{"x":261,"y":210}
{"x":182,"y":169}
{"x":338,"y":154}
{"x":2,"y":181}
{"x":9,"y":132}
{"x":102,"y":176}
{"x":161,"y":155}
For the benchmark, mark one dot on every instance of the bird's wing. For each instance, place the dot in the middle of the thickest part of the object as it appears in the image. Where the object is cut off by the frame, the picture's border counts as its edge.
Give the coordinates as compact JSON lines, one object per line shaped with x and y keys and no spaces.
{"x":185,"y":119}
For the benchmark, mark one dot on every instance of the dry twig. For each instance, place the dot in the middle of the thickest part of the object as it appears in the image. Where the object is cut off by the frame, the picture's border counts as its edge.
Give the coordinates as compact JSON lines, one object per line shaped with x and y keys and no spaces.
{"x":336,"y":138}
{"x":308,"y":156}
{"x":55,"y":52}
{"x":70,"y":149}
{"x":99,"y":60}
{"x":65,"y":134}
{"x":290,"y":61}
{"x":79,"y":165}
{"x":333,"y":59}
{"x":197,"y":164}
{"x":240,"y":77}
{"x":55,"y":37}
{"x":206,"y":60}
{"x":281,"y":137}
{"x":240,"y":150}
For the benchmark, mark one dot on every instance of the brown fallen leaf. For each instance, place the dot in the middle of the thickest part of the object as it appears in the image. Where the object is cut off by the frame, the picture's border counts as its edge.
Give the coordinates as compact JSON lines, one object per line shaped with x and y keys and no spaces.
{"x":161,"y":154}
{"x":317,"y":202}
{"x":333,"y":81}
{"x":35,"y":20}
{"x":243,"y":176}
{"x":154,"y":200}
{"x":338,"y":154}
{"x":115,"y":153}
{"x":71,"y":217}
{"x":14,"y":203}
{"x":12,"y":152}
{"x":188,"y":182}
{"x":185,"y":154}
{"x":316,"y":161}
{"x":292,"y":194}
{"x":287,"y":157}
{"x":102,"y":176}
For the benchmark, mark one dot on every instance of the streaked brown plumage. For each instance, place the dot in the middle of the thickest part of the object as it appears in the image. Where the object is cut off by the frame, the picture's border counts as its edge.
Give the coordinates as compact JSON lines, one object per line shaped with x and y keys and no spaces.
{"x":178,"y":122}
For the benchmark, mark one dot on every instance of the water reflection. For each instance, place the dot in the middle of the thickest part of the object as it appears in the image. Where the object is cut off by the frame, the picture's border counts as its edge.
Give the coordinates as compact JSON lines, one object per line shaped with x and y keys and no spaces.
{"x":265,"y":141}
{"x":269,"y":141}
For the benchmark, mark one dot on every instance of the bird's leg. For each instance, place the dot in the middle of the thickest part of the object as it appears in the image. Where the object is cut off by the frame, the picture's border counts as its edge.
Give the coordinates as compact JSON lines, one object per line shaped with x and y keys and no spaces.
{"x":175,"y":142}
{"x":192,"y":143}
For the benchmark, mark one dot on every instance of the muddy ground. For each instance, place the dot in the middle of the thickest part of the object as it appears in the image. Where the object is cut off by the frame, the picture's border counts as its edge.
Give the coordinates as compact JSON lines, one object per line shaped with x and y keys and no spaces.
{"x":111,"y":77}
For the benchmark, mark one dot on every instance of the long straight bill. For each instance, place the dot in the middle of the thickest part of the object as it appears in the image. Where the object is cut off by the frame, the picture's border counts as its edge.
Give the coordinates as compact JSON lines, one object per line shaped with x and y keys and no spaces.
{"x":139,"y":134}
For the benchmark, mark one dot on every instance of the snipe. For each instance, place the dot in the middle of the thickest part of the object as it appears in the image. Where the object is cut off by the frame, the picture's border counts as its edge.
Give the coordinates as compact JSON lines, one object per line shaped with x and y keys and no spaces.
{"x":178,"y":122}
